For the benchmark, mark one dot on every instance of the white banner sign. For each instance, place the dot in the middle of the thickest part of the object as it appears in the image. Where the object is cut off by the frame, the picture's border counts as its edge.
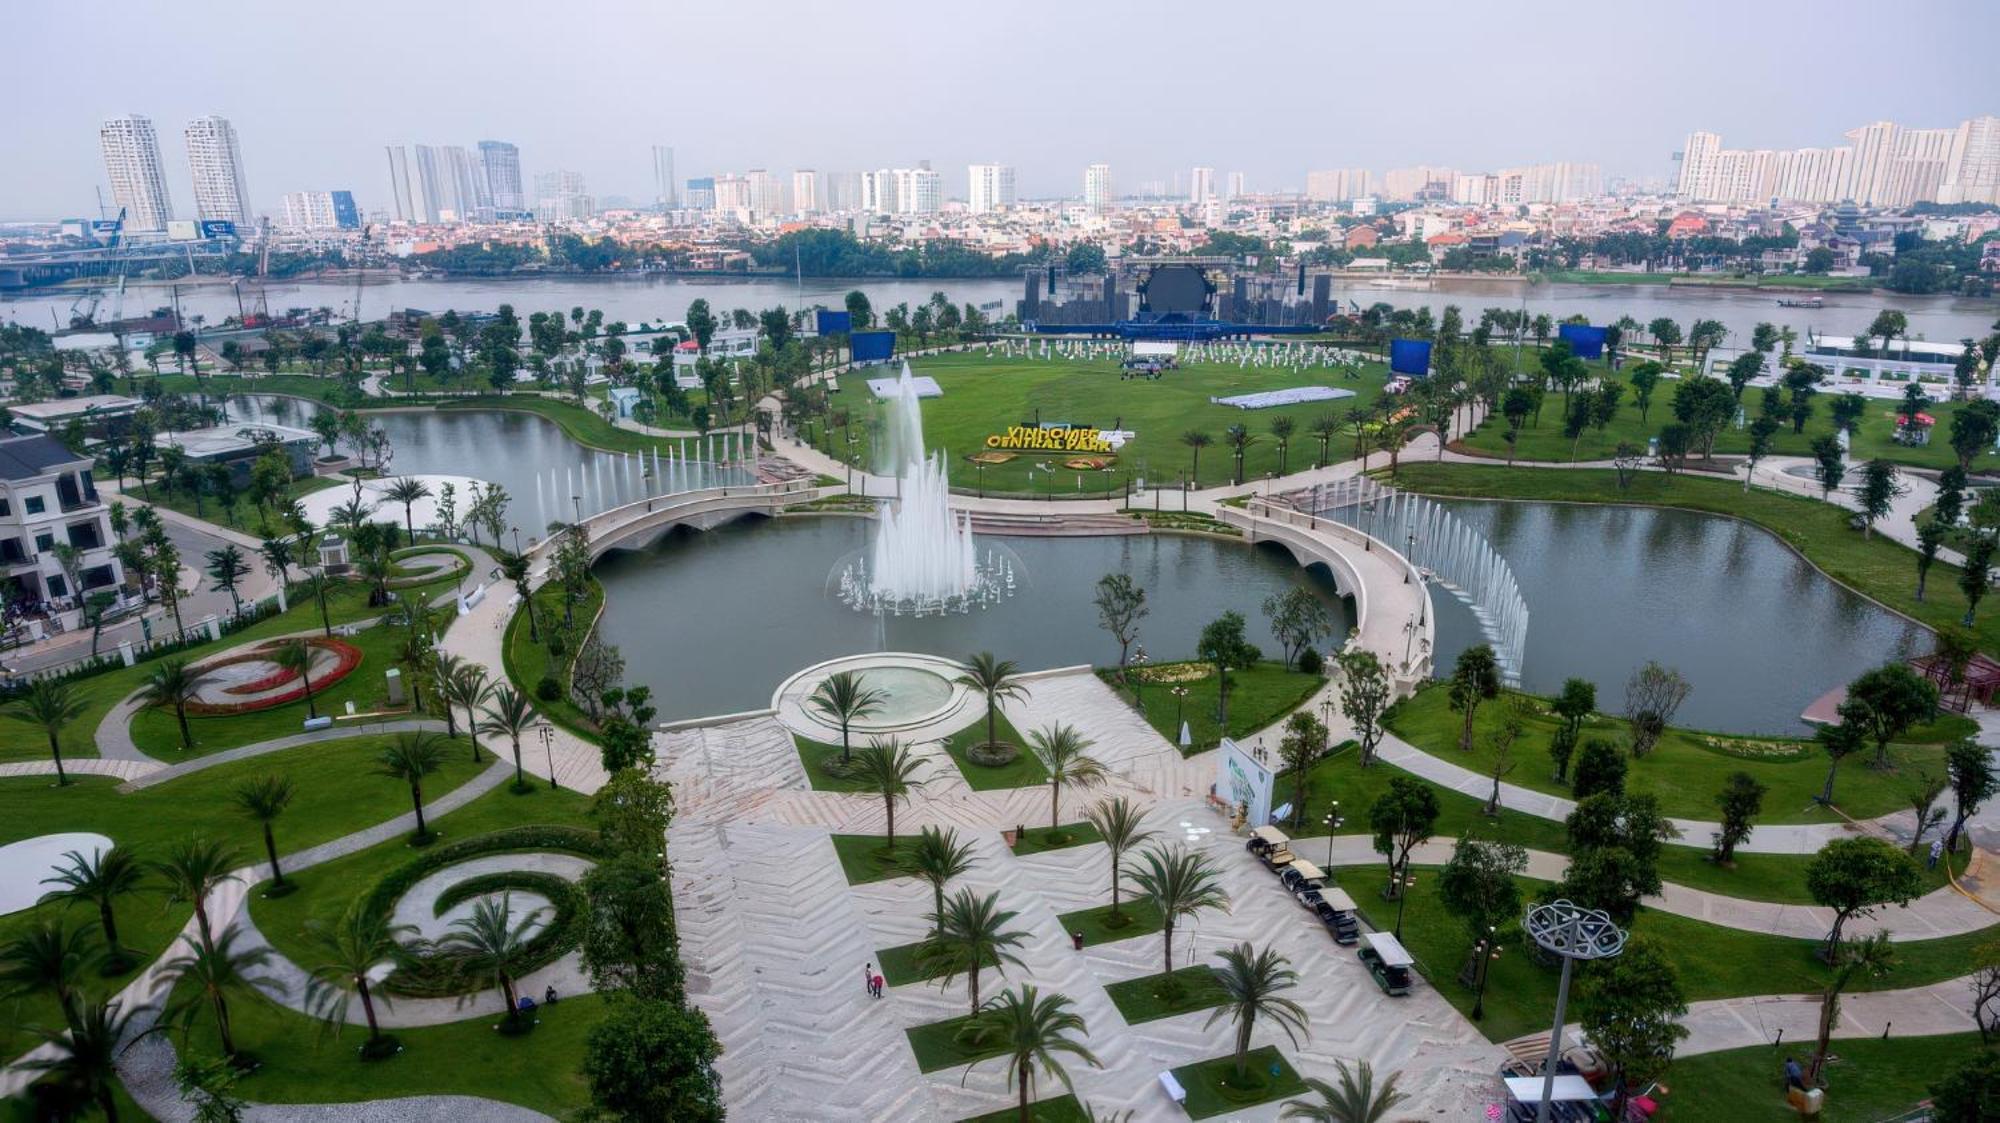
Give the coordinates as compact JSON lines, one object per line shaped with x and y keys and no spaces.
{"x":1242,"y":781}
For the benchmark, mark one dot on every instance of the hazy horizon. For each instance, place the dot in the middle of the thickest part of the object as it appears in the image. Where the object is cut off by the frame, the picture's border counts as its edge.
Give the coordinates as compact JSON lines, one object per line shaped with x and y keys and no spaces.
{"x":316,"y":93}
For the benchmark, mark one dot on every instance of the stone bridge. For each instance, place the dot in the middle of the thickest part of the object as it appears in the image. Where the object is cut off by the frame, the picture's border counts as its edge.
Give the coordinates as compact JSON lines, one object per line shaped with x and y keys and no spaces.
{"x":636,"y":525}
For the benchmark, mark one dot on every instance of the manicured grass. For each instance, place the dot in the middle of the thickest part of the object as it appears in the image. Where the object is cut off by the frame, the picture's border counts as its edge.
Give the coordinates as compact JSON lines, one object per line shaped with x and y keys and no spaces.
{"x":1259,"y":696}
{"x":1212,"y":1089}
{"x":1684,"y":772}
{"x":1868,"y":1080}
{"x":1148,"y":998}
{"x":900,"y":965}
{"x":815,"y":755}
{"x":1024,"y":771}
{"x":864,"y":858}
{"x":242,"y":515}
{"x":1061,"y":1109}
{"x":1045,"y":838}
{"x":327,"y":389}
{"x":528,"y":662}
{"x":1874,"y":567}
{"x":937,"y":1046}
{"x":578,"y":423}
{"x":1140,"y":917}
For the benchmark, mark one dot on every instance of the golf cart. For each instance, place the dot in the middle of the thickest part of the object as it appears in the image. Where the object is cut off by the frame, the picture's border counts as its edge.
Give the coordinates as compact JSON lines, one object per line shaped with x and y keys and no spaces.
{"x":1301,"y":876}
{"x":1335,"y":909}
{"x":1387,"y":961}
{"x":1271,"y":847}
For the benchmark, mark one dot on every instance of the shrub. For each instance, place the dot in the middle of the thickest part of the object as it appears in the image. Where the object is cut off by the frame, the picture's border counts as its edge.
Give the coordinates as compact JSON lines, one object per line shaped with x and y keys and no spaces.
{"x":1311,"y":663}
{"x":548,"y":689}
{"x":435,"y":976}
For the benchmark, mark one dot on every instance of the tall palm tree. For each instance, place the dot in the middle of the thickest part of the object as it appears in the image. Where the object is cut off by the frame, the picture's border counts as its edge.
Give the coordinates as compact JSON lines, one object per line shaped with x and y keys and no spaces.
{"x":1356,"y":1100}
{"x":509,"y":715}
{"x":227,"y":567}
{"x":1197,"y":440}
{"x":350,"y":949}
{"x":1282,"y":429}
{"x":83,"y":1055}
{"x":407,"y":490}
{"x":1181,"y":882}
{"x":49,"y":958}
{"x":939,"y":857}
{"x":996,"y":680}
{"x":1064,"y":754}
{"x":469,"y":686}
{"x":50,"y":704}
{"x":296,"y":656}
{"x":211,"y":974}
{"x":279,"y":556}
{"x":171,"y":686}
{"x":888,"y":770}
{"x":262,"y":800}
{"x":1118,"y":821}
{"x":1239,"y":438}
{"x":194,"y":868}
{"x":99,"y":879}
{"x":1324,"y":427}
{"x":410,"y":758}
{"x":443,"y":665}
{"x":971,"y":932}
{"x":489,"y":943}
{"x":1252,"y":980}
{"x":1033,"y":1028}
{"x":841,"y":699}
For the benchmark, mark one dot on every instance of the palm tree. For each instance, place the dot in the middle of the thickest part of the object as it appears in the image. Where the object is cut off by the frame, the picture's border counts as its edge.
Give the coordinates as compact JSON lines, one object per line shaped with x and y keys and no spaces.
{"x":227,"y":568}
{"x":1252,"y":979}
{"x":296,"y":656}
{"x":1033,"y":1028}
{"x":194,"y":868}
{"x":350,"y":949}
{"x":939,"y":857}
{"x":443,"y":665}
{"x":171,"y":687}
{"x":887,"y":769}
{"x":262,"y":800}
{"x":509,"y":715}
{"x":100,"y":879}
{"x":1182,"y":883}
{"x":1356,"y":1100}
{"x":469,"y":686}
{"x":842,"y":699}
{"x":490,"y":943}
{"x":211,"y":974}
{"x":82,"y":1056}
{"x":279,"y":557}
{"x":49,"y":958}
{"x":51,"y":704}
{"x":1282,"y":429}
{"x":971,"y":932}
{"x":1323,"y":428}
{"x":410,"y":758}
{"x":1196,"y":440}
{"x":996,"y":680}
{"x":1062,"y":751}
{"x":1118,"y":822}
{"x":407,"y":490}
{"x":1239,"y":438}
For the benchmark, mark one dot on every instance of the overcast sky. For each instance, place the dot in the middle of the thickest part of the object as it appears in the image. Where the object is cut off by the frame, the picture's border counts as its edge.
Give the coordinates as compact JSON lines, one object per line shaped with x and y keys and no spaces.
{"x":316,"y":89}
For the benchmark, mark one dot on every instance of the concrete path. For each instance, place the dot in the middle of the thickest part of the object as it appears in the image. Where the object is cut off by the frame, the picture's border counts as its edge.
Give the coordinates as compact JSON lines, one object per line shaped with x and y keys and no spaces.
{"x":128,"y":770}
{"x":1736,"y":1023}
{"x":162,"y":774}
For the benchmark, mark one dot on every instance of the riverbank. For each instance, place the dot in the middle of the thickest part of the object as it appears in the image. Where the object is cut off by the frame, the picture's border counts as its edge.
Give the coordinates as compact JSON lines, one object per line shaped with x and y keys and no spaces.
{"x":1706,"y":280}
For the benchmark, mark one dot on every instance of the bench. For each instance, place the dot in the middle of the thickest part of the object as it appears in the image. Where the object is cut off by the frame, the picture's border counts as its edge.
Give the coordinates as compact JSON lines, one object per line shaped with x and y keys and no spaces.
{"x":321,"y":722}
{"x":1174,"y":1090}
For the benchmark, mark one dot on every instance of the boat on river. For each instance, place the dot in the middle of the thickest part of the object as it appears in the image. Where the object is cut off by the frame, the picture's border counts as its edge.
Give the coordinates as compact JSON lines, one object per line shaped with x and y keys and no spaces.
{"x":1801,"y":302}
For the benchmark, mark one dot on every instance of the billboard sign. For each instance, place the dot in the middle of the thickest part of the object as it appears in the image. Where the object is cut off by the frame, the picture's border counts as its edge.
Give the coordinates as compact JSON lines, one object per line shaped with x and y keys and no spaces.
{"x":1585,"y":341}
{"x":217,"y":228}
{"x":872,"y":346}
{"x":1410,"y":356}
{"x":834,"y":323}
{"x":181,"y":230}
{"x":1244,"y":783}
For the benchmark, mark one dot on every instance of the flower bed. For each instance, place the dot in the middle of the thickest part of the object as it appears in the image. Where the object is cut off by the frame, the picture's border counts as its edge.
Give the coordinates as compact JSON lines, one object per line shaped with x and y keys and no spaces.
{"x":347,"y":656}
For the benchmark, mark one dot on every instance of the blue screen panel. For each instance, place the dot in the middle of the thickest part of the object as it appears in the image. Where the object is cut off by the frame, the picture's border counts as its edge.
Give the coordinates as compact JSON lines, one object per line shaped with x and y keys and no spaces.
{"x":872,"y":346}
{"x":1410,"y":356}
{"x":834,"y":323}
{"x":1586,"y":341}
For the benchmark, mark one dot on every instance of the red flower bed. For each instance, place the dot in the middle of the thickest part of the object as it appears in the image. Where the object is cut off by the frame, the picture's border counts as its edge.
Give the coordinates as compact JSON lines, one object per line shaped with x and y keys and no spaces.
{"x":348,"y":657}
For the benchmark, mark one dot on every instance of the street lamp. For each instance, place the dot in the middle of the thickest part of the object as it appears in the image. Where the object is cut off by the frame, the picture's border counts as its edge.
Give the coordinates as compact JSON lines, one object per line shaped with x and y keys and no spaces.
{"x":1180,"y":694}
{"x":547,"y":733}
{"x":1140,"y":659}
{"x":578,"y":500}
{"x":1488,"y":950}
{"x":1333,"y":823}
{"x":1402,"y":884}
{"x":1573,"y":932}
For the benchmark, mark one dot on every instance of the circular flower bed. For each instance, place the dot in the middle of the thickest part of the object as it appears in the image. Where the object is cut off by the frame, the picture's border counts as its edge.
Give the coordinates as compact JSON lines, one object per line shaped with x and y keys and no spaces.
{"x":346,"y":658}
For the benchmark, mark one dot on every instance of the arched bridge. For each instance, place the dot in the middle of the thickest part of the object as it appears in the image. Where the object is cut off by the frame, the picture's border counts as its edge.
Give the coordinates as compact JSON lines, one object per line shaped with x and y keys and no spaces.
{"x":638,"y":524}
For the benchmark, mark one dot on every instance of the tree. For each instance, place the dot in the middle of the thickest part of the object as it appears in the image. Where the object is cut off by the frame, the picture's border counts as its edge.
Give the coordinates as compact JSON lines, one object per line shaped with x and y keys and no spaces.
{"x":1840,"y":740}
{"x":1645,"y":378}
{"x":227,"y":567}
{"x":1121,"y":604}
{"x":1879,"y":489}
{"x":1614,"y":847}
{"x":968,"y":935}
{"x":1930,"y":538}
{"x":1705,"y":406}
{"x":1475,"y":677}
{"x":408,"y":490}
{"x":1251,"y":982}
{"x":1181,"y":883}
{"x":632,"y":812}
{"x":489,"y":943}
{"x":1401,"y":819}
{"x":1973,"y":782}
{"x":210,"y":975}
{"x":1303,"y":742}
{"x":1478,"y":885}
{"x":1196,"y":440}
{"x":48,"y":958}
{"x":1032,"y":1029}
{"x":52,"y":704}
{"x":1118,"y":823}
{"x":1742,"y":369}
{"x":1763,"y":435}
{"x":1600,"y":767}
{"x":1500,"y":741}
{"x":192,"y":870}
{"x":1064,"y":754}
{"x":1239,"y":438}
{"x":860,"y":314}
{"x":1577,"y":702}
{"x":1895,"y":698}
{"x":995,"y":680}
{"x":509,"y":715}
{"x":1630,"y":1007}
{"x":81,"y":1057}
{"x":262,"y":800}
{"x":348,"y":950}
{"x":98,"y":878}
{"x":1223,"y":645}
{"x":1298,"y":620}
{"x":628,"y":940}
{"x":653,"y":1060}
{"x":887,"y":769}
{"x":1873,"y":957}
{"x":1666,"y":335}
{"x":1740,"y":799}
{"x":1355,"y":1100}
{"x":1974,"y":426}
{"x":1855,"y":876}
{"x":939,"y":857}
{"x":1976,"y":576}
{"x":1652,"y":695}
{"x":842,"y":699}
{"x":208,"y":1086}
{"x":410,"y":758}
{"x":1365,"y":693}
{"x":468,"y":687}
{"x":295,"y":656}
{"x":171,"y":686}
{"x":702,"y":323}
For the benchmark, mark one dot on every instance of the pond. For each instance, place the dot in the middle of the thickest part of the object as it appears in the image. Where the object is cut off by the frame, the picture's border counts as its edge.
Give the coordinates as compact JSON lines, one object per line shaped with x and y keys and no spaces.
{"x":1756,"y":629}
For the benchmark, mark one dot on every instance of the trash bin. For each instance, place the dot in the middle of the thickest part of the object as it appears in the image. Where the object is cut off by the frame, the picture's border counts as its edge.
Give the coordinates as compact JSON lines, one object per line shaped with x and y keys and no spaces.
{"x":1076,"y":938}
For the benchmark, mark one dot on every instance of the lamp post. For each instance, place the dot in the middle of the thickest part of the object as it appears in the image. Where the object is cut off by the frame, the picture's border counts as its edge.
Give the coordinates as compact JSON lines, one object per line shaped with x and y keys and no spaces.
{"x":1572,"y":932}
{"x":547,"y":733}
{"x":1488,"y":950}
{"x":1180,"y":694}
{"x":1140,"y":659}
{"x":1333,"y":823}
{"x":578,"y":500}
{"x":1402,"y":883}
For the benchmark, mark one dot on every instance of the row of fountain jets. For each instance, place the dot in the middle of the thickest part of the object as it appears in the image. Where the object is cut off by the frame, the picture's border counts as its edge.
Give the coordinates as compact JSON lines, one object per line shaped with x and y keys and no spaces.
{"x":608,"y":479}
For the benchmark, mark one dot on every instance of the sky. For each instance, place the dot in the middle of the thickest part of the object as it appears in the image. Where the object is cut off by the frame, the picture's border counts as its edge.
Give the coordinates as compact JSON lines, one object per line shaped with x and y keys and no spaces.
{"x":316,"y":90}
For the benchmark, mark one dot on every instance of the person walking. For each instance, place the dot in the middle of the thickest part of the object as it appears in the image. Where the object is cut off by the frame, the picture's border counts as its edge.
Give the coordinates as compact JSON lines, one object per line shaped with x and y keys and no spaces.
{"x":868,"y":979}
{"x":1937,"y":851}
{"x":1795,"y":1077}
{"x":877,"y":986}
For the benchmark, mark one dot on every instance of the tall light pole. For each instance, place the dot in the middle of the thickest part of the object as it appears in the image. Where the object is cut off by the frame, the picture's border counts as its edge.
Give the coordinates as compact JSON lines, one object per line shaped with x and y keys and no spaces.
{"x":1573,"y":932}
{"x":1333,"y":823}
{"x":547,"y":733}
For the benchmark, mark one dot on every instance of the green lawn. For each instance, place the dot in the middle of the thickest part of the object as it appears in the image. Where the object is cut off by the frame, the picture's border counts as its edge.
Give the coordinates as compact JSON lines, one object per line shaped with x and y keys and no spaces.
{"x":241,"y":515}
{"x":864,"y":858}
{"x":1212,"y":1089}
{"x":326,"y":389}
{"x":814,"y":754}
{"x":528,"y":662}
{"x":1139,"y":916}
{"x":1024,"y":771}
{"x":1044,"y":838}
{"x":900,"y":966}
{"x":1684,"y":772}
{"x":937,"y":1045}
{"x":1258,"y":697}
{"x":1148,"y":998}
{"x":1868,"y":1079}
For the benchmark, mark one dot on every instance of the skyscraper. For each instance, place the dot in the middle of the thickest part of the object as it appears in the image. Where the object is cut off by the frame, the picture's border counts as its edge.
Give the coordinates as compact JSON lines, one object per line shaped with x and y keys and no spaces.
{"x":217,"y":163}
{"x":402,"y":188}
{"x":429,"y":188}
{"x":132,"y":159}
{"x":464,"y":185}
{"x":1973,"y":171}
{"x":502,"y":164}
{"x":767,"y":192}
{"x":989,"y":187}
{"x":561,"y":196}
{"x":666,"y":188}
{"x":1201,"y":185}
{"x":1097,"y":187}
{"x":807,"y":198}
{"x":1239,"y":185}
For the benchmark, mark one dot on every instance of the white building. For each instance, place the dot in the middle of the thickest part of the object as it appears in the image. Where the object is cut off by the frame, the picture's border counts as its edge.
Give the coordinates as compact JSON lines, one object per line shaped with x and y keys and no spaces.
{"x":403,"y":187}
{"x":767,"y":192}
{"x":500,"y":169}
{"x":666,"y":188}
{"x":1239,"y":185}
{"x":1201,"y":185}
{"x":1338,"y":184}
{"x":217,"y":162}
{"x":309,"y":210}
{"x":1972,"y":174}
{"x":47,"y":499}
{"x":562,"y":197}
{"x":989,"y":187}
{"x":1097,"y":189}
{"x":807,"y":197}
{"x":734,"y":197}
{"x":132,"y":160}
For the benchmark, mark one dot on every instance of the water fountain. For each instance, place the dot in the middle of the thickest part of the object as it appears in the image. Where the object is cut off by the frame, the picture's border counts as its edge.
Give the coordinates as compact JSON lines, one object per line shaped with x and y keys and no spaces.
{"x":923,"y":560}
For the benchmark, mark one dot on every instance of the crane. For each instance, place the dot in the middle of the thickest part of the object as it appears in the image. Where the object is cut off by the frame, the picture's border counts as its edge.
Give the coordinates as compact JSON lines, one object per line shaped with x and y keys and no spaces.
{"x":360,"y":270}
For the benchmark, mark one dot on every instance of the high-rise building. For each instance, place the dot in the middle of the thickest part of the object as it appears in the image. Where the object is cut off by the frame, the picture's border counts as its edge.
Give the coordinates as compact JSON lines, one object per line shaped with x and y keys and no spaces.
{"x":501,"y":164}
{"x":403,"y":188}
{"x":346,"y":215}
{"x":1405,"y":184}
{"x":430,"y":187}
{"x":767,"y":192}
{"x":1874,"y":152}
{"x":665,"y":186}
{"x":465,"y":188}
{"x":1097,"y":190}
{"x":562,"y":196}
{"x":701,"y":193}
{"x":918,"y":190}
{"x":1339,"y":185}
{"x":132,"y":160}
{"x":1239,"y":185}
{"x":807,"y":198}
{"x":1973,"y":171}
{"x":309,"y":210}
{"x":1698,"y":165}
{"x":733,"y":196}
{"x":1201,"y":185}
{"x":217,"y":163}
{"x":989,"y":187}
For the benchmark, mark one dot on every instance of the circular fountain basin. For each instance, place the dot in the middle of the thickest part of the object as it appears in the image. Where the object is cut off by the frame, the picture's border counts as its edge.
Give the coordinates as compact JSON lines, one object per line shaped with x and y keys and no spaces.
{"x":917,"y":692}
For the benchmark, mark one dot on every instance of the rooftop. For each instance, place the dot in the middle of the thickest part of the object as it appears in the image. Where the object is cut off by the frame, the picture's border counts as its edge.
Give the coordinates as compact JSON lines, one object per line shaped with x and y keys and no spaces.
{"x":27,"y":458}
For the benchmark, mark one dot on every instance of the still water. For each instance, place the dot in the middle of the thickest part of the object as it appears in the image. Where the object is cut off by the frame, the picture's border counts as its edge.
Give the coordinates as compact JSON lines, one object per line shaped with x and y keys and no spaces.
{"x":714,"y":622}
{"x":1758,"y":632}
